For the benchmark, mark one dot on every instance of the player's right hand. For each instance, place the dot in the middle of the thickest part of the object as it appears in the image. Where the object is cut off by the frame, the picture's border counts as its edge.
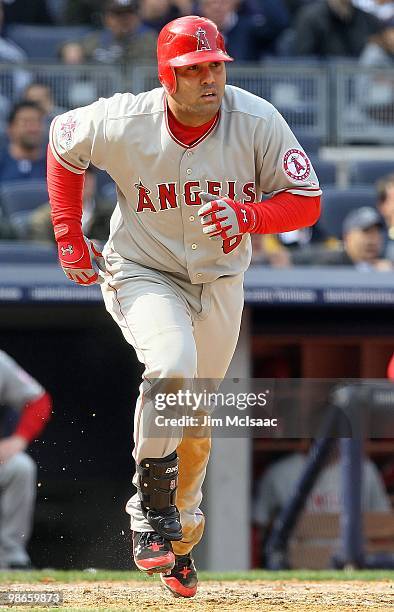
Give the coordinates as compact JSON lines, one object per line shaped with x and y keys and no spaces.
{"x":80,"y":259}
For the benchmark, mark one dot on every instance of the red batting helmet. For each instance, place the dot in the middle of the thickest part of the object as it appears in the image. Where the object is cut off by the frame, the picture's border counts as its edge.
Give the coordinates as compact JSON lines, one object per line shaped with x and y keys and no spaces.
{"x":187,"y":41}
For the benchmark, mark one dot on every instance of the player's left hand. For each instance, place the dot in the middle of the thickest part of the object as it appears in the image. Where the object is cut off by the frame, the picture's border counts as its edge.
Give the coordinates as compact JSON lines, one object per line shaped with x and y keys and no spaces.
{"x":224,"y":218}
{"x":11,"y":446}
{"x":81,"y":260}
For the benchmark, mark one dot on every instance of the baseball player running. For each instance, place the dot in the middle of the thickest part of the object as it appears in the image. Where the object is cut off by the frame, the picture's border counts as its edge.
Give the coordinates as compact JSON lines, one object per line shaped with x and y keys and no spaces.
{"x":192,"y":161}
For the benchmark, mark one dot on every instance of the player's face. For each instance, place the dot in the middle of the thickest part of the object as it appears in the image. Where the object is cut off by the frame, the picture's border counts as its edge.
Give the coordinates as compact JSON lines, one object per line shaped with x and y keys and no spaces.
{"x":200,"y":89}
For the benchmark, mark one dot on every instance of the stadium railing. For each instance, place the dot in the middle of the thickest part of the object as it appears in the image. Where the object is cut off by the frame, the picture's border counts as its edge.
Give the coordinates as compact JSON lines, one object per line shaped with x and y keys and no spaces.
{"x":333,"y":103}
{"x":299,"y":92}
{"x":364,"y":101}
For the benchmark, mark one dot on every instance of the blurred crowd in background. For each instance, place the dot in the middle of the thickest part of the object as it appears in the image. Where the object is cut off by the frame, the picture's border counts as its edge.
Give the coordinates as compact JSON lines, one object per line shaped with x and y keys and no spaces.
{"x":253,"y":29}
{"x":114,"y":32}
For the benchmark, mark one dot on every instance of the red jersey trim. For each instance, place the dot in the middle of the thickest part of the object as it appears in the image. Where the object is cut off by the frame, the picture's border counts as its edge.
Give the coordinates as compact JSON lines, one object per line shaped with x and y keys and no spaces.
{"x":182,"y":144}
{"x":57,"y":152}
{"x":289,"y":189}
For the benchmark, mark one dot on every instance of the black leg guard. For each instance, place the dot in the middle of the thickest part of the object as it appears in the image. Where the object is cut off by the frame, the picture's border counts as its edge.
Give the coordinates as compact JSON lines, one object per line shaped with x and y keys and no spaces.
{"x":157,"y":484}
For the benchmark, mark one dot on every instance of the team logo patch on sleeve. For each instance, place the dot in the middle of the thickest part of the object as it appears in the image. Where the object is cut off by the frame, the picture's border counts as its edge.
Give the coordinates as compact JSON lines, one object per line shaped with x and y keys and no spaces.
{"x":67,"y":129}
{"x":296,"y":165}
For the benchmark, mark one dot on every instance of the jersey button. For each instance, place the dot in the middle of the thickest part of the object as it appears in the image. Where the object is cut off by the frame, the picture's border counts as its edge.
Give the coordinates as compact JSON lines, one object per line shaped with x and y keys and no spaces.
{"x":194,"y":246}
{"x":189,"y":153}
{"x":189,"y":171}
{"x":191,"y":218}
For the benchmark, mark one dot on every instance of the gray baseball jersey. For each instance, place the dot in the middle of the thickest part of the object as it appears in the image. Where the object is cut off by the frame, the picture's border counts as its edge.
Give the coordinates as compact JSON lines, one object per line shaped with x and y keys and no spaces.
{"x":17,"y":387}
{"x":248,"y":153}
{"x":281,"y":478}
{"x":181,"y":323}
{"x":17,"y":474}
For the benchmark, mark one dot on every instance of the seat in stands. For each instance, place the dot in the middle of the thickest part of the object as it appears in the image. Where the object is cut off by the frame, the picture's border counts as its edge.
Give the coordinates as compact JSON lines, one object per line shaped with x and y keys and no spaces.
{"x":337,"y":203}
{"x":367,"y":172}
{"x":43,"y":42}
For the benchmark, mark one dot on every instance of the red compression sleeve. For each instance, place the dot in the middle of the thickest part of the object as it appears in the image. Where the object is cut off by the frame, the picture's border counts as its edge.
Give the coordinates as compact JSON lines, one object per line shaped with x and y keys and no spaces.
{"x":285,"y":212}
{"x":34,"y":416}
{"x":65,"y":190}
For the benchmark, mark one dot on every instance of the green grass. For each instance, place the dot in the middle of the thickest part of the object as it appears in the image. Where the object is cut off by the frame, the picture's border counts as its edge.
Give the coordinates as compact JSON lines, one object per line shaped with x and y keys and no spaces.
{"x":53,"y":576}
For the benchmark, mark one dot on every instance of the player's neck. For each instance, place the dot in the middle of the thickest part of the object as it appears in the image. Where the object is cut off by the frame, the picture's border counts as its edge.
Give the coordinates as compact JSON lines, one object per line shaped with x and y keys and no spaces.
{"x":186,"y":118}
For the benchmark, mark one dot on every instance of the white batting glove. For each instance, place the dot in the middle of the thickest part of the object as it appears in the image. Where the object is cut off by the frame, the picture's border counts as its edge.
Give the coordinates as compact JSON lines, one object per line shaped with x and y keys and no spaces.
{"x":224,"y":218}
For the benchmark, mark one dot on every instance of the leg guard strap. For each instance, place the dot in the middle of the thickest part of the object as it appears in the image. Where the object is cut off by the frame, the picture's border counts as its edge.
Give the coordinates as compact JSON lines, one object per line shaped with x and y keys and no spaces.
{"x":157,"y":484}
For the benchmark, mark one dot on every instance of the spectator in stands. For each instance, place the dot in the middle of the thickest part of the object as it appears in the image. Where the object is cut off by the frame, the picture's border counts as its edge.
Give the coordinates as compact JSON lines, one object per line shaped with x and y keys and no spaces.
{"x":81,"y":87}
{"x":156,"y":13}
{"x":376,"y":88}
{"x":379,"y":51}
{"x":333,"y":28}
{"x":11,"y":53}
{"x":78,"y":12}
{"x":363,"y":243}
{"x":42,"y":94}
{"x":268,"y":253}
{"x":248,"y":37}
{"x":125,"y":38}
{"x":363,"y":239}
{"x":299,"y":247}
{"x":31,"y":12}
{"x":97,"y":211}
{"x":385,"y":205}
{"x":383,"y":9}
{"x":72,"y":53}
{"x":25,"y":157}
{"x":25,"y":401}
{"x":294,"y":6}
{"x":56,"y":10}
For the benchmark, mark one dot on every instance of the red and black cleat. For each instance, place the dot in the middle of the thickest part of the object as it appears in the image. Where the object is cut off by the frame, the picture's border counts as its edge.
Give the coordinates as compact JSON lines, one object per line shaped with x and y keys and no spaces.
{"x":152,"y":553}
{"x":182,"y":580}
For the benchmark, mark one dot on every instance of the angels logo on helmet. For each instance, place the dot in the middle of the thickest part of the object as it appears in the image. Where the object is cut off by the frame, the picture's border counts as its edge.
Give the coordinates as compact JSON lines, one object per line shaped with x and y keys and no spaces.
{"x":202,"y":40}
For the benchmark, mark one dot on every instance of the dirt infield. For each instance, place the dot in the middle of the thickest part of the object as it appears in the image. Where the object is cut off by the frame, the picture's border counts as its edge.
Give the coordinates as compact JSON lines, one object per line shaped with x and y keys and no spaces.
{"x":278,"y":596}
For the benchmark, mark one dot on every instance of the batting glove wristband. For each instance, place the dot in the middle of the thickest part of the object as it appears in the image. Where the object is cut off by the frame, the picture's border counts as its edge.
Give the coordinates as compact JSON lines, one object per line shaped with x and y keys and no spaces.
{"x":224,"y":218}
{"x":80,"y":259}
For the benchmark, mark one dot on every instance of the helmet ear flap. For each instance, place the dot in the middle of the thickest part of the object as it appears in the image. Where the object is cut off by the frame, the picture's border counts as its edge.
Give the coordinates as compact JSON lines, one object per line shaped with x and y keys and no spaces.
{"x":172,"y":81}
{"x":167,"y":78}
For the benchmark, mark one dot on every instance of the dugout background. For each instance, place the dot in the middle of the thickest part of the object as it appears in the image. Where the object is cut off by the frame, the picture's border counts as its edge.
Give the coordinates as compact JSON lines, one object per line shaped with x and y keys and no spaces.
{"x":84,"y":461}
{"x":84,"y":455}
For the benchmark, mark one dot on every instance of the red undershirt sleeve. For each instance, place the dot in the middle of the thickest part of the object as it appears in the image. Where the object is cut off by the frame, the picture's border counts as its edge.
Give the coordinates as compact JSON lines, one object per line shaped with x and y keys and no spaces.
{"x":285,"y":212}
{"x":65,"y":190}
{"x":34,"y":417}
